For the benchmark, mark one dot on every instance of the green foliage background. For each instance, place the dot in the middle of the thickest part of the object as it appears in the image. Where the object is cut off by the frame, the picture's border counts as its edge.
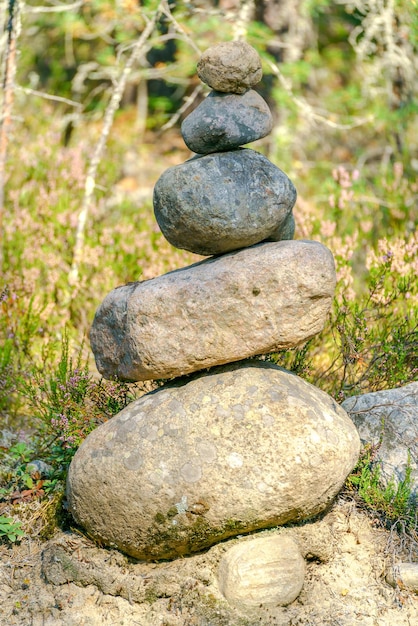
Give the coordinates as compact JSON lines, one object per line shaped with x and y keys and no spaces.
{"x":345,"y":132}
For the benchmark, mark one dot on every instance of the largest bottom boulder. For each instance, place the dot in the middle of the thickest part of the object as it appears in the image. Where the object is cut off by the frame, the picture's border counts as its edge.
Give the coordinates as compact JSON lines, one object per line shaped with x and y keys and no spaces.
{"x":240,"y":448}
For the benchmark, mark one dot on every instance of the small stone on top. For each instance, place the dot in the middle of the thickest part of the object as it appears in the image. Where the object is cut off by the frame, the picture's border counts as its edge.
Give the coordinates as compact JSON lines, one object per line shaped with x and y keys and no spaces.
{"x":230,"y":67}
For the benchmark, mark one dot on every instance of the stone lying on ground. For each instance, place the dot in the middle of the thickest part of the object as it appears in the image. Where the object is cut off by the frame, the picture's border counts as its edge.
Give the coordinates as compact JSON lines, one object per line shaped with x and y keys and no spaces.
{"x":231,"y":67}
{"x":223,"y":201}
{"x":388,"y":419}
{"x":39,"y":468}
{"x":244,"y":447}
{"x":71,"y":557}
{"x":223,"y":309}
{"x":61,"y":565}
{"x":404,"y":575}
{"x":265,"y":571}
{"x":226,"y":121}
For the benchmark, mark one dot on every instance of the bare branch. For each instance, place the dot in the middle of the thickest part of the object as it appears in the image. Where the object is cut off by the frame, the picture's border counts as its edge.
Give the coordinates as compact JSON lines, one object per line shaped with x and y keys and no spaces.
{"x":90,"y":183}
{"x":13,"y":32}
{"x":186,"y":104}
{"x":179,"y":28}
{"x":58,"y":8}
{"x":240,"y":25}
{"x":307,"y":109}
{"x":48,"y":96}
{"x":380,"y":41}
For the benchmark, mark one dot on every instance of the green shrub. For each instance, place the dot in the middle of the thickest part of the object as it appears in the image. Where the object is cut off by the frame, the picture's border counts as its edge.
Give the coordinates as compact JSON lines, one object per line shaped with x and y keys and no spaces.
{"x":393,"y":502}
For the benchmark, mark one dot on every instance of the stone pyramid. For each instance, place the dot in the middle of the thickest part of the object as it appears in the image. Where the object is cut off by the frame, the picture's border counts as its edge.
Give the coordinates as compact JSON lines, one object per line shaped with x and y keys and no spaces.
{"x":230,"y":445}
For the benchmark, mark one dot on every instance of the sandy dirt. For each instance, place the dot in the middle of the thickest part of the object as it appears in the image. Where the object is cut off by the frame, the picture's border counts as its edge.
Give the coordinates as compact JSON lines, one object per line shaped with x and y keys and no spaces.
{"x":69,"y":581}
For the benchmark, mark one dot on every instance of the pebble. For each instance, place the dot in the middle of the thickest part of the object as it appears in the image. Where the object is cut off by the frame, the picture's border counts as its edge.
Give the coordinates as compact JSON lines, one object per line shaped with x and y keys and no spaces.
{"x":231,"y":67}
{"x":405,"y":576}
{"x":267,"y":571}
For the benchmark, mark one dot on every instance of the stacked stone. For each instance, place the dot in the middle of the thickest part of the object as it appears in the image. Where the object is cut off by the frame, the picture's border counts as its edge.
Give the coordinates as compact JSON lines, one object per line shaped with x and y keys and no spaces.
{"x":246,"y":445}
{"x":228,"y":198}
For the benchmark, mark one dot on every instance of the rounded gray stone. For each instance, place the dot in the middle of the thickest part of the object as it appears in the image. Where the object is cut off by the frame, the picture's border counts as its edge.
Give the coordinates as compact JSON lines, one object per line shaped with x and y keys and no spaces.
{"x":227,"y":121}
{"x":241,"y":448}
{"x":224,"y":201}
{"x":39,"y":467}
{"x":262,"y":572}
{"x":223,"y":309}
{"x":231,"y":67}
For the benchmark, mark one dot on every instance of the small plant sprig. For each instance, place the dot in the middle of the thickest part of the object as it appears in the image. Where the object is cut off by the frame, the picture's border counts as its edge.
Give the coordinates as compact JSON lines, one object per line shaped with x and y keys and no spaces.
{"x":58,"y":396}
{"x":393,"y":502}
{"x":370,"y":341}
{"x":10,"y":529}
{"x":68,"y":404}
{"x":19,"y":326}
{"x":19,"y":482}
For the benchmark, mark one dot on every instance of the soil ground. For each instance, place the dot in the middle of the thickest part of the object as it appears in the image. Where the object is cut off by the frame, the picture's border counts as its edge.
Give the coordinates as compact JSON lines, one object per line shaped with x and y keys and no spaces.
{"x":70,"y":581}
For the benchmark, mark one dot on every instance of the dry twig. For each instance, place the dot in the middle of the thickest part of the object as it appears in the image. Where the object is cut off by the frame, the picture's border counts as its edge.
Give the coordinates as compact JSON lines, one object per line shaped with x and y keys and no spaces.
{"x":90,"y":183}
{"x":308,"y":110}
{"x":13,"y":31}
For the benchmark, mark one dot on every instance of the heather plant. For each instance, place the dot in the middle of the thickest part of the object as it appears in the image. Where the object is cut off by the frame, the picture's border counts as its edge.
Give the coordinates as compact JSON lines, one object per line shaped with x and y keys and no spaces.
{"x":373,"y":206}
{"x":57,"y":401}
{"x":67,"y":404}
{"x":7,"y":382}
{"x":375,"y":332}
{"x":44,"y":195}
{"x":19,"y":330}
{"x":371,"y":339}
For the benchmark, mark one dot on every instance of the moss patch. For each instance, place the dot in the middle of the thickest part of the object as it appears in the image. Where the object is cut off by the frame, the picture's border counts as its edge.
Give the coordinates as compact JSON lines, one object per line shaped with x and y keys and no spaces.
{"x":184,"y":534}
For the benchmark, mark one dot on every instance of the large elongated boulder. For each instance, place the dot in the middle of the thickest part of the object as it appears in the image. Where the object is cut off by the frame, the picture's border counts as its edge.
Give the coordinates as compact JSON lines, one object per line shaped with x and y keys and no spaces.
{"x":244,"y":447}
{"x":223,"y":309}
{"x":224,"y":201}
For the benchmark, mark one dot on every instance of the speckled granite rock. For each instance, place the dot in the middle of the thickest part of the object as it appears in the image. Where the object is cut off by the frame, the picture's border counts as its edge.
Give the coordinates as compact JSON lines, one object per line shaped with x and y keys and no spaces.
{"x":264,"y":571}
{"x":245,"y":447}
{"x":224,"y":201}
{"x":254,"y":301}
{"x":232,"y":67}
{"x":226,"y":121}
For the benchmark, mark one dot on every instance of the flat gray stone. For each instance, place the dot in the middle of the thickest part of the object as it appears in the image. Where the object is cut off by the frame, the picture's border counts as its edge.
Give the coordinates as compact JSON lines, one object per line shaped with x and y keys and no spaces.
{"x":389,"y":418}
{"x":245,"y":447}
{"x":262,"y":572}
{"x":223,"y":309}
{"x":224,"y":201}
{"x":231,"y":67}
{"x":227,"y":121}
